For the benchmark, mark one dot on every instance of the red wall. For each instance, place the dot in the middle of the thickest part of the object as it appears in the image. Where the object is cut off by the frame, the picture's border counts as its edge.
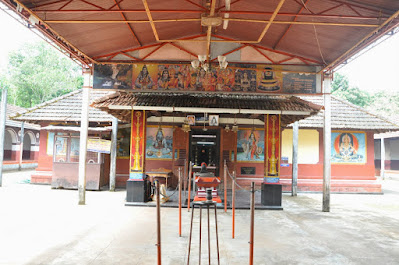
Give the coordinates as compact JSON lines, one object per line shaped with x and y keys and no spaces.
{"x":43,"y":173}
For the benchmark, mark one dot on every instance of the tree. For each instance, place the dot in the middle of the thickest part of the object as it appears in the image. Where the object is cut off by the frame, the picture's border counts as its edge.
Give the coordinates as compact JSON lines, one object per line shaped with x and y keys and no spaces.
{"x":340,"y":88}
{"x":37,"y":73}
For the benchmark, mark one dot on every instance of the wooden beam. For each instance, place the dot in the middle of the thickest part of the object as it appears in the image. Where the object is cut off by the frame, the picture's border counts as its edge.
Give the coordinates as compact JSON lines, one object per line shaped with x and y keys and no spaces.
{"x":147,"y":10}
{"x":209,"y":32}
{"x":280,"y":4}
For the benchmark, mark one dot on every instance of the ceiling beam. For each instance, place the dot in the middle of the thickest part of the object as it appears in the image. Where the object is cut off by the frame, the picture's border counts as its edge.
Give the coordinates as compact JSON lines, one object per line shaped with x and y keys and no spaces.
{"x":209,"y":32}
{"x":147,"y":10}
{"x":262,"y":35}
{"x":128,"y":24}
{"x":198,"y":19}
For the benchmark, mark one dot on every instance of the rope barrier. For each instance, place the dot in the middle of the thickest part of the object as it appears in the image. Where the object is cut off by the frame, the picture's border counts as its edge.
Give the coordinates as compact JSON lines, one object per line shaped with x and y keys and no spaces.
{"x":240,"y":187}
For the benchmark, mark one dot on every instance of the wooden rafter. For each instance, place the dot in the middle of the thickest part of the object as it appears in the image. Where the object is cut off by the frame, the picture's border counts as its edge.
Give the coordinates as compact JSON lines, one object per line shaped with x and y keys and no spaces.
{"x":128,"y":24}
{"x":289,"y":27}
{"x":280,"y":4}
{"x":147,"y":10}
{"x":209,"y":32}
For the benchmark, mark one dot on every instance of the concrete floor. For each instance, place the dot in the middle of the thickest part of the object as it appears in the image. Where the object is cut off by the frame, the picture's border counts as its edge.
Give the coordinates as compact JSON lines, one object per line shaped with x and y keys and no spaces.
{"x":39,"y":225}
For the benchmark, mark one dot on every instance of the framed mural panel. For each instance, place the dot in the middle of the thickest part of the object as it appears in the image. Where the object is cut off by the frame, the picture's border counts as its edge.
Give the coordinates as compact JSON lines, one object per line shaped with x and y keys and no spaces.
{"x":159,"y":143}
{"x":254,"y":78}
{"x":123,"y":143}
{"x":112,"y":76}
{"x":348,"y":147}
{"x":251,"y":145}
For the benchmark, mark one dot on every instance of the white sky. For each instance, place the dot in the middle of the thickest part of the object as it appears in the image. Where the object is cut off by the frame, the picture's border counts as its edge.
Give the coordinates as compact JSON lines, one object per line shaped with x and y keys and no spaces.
{"x":378,"y":69}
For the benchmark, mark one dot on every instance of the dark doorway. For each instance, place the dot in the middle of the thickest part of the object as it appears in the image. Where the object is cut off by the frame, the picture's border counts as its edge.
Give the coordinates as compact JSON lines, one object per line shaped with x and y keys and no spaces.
{"x":205,"y":147}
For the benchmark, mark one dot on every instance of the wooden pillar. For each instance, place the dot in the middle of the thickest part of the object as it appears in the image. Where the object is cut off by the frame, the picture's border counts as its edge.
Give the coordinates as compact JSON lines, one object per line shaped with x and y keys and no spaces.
{"x":327,"y":143}
{"x":294,"y":185}
{"x":137,"y":145}
{"x":382,"y":171}
{"x":3,"y":117}
{"x":272,"y":148}
{"x":114,"y":138}
{"x":84,"y":126}
{"x":21,"y":145}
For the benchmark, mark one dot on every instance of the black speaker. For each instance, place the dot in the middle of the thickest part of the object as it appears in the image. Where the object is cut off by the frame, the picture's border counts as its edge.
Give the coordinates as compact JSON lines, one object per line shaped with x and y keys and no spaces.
{"x":138,"y":191}
{"x":271,"y":194}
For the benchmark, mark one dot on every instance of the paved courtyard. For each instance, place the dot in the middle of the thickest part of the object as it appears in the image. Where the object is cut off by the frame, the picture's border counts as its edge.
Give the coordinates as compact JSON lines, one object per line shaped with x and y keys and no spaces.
{"x":39,"y":225}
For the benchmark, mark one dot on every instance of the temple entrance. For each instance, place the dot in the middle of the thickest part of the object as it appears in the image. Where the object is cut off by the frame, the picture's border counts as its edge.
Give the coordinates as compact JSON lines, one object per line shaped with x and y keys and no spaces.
{"x":205,"y":147}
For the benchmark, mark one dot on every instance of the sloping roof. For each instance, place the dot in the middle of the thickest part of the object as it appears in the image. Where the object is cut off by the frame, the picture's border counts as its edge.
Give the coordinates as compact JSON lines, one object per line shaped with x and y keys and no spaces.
{"x":322,"y":32}
{"x":345,"y":115}
{"x":67,"y":108}
{"x":12,"y":110}
{"x":120,"y":103}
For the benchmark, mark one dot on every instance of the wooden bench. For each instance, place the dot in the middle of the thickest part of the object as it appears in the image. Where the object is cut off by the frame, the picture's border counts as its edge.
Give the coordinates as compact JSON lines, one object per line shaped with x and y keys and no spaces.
{"x":160,"y":173}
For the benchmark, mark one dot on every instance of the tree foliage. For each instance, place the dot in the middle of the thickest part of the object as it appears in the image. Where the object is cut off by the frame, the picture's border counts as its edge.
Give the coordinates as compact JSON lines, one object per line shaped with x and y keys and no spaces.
{"x":340,"y":87}
{"x":37,"y":73}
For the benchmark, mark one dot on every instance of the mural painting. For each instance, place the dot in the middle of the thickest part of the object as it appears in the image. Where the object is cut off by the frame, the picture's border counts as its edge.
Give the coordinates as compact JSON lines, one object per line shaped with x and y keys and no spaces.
{"x":112,"y":76}
{"x":159,"y":144}
{"x":250,"y":145}
{"x":182,"y":77}
{"x":348,"y":147}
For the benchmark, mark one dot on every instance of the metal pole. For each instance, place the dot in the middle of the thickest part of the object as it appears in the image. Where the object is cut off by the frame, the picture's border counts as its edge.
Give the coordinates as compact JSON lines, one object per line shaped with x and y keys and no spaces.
{"x":158,"y":223}
{"x":251,"y":235}
{"x":180,"y":178}
{"x":114,"y":139}
{"x":84,"y":125}
{"x":3,"y":118}
{"x":225,"y":186}
{"x":189,"y":186}
{"x":21,"y":145}
{"x":217,"y":237}
{"x":382,"y":171}
{"x":209,"y":236}
{"x":294,"y":185}
{"x":191,"y":232}
{"x":233,"y":201}
{"x":327,"y":144}
{"x":200,"y":235}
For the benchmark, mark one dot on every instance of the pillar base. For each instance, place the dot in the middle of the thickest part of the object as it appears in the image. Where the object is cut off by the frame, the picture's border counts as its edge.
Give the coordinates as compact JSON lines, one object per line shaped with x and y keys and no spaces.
{"x":271,"y":194}
{"x":138,"y":191}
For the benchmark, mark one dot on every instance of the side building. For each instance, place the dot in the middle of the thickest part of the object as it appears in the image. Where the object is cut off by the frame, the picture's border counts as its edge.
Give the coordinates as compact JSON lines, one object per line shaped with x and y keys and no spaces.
{"x":58,"y":155}
{"x":17,"y":155}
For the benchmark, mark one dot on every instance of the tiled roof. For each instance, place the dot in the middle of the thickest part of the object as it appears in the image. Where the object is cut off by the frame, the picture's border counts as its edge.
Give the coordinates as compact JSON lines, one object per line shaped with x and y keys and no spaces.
{"x":12,"y":110}
{"x":345,"y":115}
{"x":67,"y":108}
{"x":113,"y":103}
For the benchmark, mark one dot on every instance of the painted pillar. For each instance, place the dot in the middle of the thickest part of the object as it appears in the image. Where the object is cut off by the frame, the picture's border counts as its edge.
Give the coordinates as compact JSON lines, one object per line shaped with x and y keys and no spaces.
{"x":21,"y":146}
{"x":294,"y":186}
{"x":3,"y":117}
{"x":327,"y":143}
{"x":272,"y":148}
{"x":137,"y":145}
{"x":114,"y":138}
{"x":382,"y":171}
{"x":84,"y":126}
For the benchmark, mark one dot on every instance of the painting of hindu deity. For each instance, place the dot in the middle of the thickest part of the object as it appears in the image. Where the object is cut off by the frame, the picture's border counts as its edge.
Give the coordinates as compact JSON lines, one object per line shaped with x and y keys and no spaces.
{"x":268,"y":79}
{"x":159,"y":144}
{"x":348,"y":147}
{"x":145,"y":76}
{"x":250,"y":145}
{"x":245,"y":80}
{"x":112,"y":76}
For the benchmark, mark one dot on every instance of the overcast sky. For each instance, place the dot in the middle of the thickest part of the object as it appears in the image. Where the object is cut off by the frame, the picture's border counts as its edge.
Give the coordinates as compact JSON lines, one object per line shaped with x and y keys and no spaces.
{"x":378,"y":69}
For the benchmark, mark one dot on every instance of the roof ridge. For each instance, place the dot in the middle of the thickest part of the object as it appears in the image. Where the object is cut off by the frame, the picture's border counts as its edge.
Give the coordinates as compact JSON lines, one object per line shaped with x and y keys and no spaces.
{"x":363,"y":109}
{"x":46,"y":103}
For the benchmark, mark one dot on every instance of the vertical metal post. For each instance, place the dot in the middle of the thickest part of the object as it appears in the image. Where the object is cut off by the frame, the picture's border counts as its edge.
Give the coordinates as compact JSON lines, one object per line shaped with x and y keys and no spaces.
{"x":3,"y":117}
{"x":294,"y":185}
{"x":225,"y":186}
{"x":217,"y":236}
{"x":233,"y":202}
{"x":114,"y":139}
{"x":21,"y":145}
{"x":180,"y":184}
{"x":189,"y":186}
{"x":84,"y":126}
{"x":158,"y":223}
{"x":382,"y":171}
{"x":251,"y":235}
{"x":200,"y":236}
{"x":327,"y":143}
{"x":209,"y":236}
